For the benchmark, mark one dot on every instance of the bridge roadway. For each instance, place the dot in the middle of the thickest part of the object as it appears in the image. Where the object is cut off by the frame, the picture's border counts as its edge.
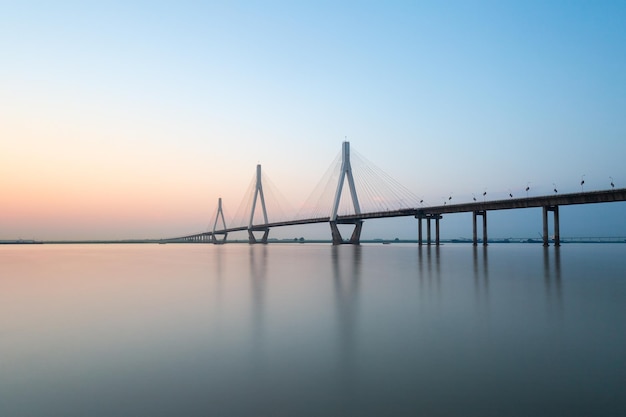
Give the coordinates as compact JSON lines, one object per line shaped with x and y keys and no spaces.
{"x":478,"y":208}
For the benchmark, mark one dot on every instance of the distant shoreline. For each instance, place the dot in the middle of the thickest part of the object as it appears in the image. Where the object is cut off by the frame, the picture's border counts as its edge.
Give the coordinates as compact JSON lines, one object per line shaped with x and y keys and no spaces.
{"x":283,"y":241}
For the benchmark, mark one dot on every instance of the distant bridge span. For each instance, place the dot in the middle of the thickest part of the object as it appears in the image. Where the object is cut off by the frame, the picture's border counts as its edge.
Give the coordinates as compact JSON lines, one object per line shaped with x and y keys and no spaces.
{"x":549,"y":203}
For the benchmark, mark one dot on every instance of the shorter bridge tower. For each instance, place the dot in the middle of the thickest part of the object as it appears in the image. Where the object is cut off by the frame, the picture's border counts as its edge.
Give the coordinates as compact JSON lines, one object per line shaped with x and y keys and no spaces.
{"x":220,"y":214}
{"x":346,"y":171}
{"x":258,"y":193}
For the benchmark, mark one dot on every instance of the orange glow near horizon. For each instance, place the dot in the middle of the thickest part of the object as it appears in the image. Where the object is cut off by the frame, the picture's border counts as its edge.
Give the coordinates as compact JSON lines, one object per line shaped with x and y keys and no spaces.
{"x":60,"y":180}
{"x":54,"y":201}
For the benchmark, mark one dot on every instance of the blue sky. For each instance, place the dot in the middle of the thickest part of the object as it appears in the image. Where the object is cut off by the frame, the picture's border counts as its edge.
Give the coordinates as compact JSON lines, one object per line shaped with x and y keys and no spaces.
{"x":130,"y":119}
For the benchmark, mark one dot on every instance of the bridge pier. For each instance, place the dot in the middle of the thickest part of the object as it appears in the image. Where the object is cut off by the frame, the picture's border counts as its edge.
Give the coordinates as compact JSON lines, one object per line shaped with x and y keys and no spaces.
{"x":355,"y":239}
{"x":428,"y":218}
{"x":476,"y":213}
{"x":218,"y":215}
{"x":253,"y":239}
{"x":217,"y":241}
{"x":557,"y":233}
{"x":419,"y":230}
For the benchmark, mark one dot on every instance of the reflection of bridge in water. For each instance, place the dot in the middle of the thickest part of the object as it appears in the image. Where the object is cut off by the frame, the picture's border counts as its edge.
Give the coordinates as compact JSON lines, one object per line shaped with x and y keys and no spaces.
{"x":406,"y":205}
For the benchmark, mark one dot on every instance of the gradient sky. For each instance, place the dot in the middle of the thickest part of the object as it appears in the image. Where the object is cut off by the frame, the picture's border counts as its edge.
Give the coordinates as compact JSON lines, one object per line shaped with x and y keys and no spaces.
{"x":130,"y":119}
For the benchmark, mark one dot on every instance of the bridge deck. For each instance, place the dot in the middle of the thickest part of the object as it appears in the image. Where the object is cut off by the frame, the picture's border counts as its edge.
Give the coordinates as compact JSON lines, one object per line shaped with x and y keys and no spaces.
{"x":590,"y":197}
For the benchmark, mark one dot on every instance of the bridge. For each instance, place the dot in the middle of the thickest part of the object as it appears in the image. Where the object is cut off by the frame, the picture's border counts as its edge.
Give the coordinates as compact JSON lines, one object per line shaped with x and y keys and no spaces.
{"x":549,"y":204}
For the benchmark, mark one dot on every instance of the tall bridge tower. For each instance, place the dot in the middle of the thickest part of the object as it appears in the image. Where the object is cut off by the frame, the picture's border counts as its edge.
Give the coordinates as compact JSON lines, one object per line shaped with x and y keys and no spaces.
{"x":258,"y":193}
{"x":220,"y":214}
{"x":346,"y":172}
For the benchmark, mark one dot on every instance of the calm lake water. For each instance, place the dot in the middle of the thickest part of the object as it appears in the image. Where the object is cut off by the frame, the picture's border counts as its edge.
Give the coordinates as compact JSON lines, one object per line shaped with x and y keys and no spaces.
{"x":312,"y":330}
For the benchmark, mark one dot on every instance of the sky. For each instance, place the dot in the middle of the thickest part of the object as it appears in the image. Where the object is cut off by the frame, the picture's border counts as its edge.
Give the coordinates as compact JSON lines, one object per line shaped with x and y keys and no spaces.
{"x":130,"y":119}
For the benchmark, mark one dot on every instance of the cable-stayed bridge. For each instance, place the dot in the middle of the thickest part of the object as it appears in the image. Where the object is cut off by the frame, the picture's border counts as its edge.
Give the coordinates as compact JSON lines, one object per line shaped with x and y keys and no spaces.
{"x":349,"y":195}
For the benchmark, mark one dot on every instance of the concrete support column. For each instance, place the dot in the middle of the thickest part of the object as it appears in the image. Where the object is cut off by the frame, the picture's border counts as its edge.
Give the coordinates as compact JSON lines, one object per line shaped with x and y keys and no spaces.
{"x":557,"y":232}
{"x":334,"y":230}
{"x":545,"y":225}
{"x":485,"y":228}
{"x":355,"y":238}
{"x":428,"y":231}
{"x":474,"y":231}
{"x":252,"y":239}
{"x":419,"y":231}
{"x":437,"y":230}
{"x":475,"y":228}
{"x":217,"y":241}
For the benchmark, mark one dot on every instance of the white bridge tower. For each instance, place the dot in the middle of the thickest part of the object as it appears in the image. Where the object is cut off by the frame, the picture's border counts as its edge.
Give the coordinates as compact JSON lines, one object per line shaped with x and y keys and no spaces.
{"x":220,"y":214}
{"x":346,"y":171}
{"x":258,"y":192}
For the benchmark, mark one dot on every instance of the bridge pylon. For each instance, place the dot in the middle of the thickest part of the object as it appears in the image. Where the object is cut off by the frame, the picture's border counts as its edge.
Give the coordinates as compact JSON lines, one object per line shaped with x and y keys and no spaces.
{"x":258,"y":193}
{"x":346,"y":172}
{"x":220,"y":214}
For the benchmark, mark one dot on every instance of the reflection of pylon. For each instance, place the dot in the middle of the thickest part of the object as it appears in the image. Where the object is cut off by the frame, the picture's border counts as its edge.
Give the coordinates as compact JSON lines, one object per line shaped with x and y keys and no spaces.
{"x":220,"y":213}
{"x":346,"y":171}
{"x":258,"y":192}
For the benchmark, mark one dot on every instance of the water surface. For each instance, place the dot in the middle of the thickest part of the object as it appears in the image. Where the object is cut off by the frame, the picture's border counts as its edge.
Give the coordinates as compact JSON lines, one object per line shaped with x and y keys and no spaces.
{"x":312,"y":330}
